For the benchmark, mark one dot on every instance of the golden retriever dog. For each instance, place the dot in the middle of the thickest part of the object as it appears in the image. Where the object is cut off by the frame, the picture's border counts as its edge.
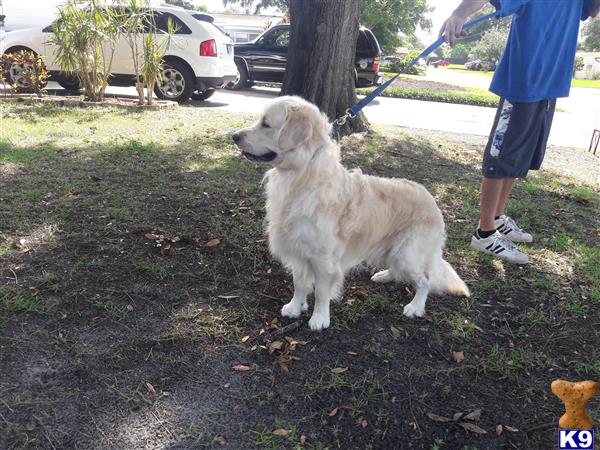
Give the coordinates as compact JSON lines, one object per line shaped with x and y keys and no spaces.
{"x":323,"y":219}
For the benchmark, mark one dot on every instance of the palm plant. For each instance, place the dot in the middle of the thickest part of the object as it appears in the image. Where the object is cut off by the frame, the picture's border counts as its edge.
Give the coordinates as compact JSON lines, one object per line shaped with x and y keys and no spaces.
{"x":85,"y":35}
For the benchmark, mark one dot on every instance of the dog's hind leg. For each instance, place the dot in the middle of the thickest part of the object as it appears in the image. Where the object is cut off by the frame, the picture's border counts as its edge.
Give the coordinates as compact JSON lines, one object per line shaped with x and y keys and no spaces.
{"x":383,"y":276}
{"x":328,"y":283}
{"x":303,"y":285}
{"x":416,"y":308}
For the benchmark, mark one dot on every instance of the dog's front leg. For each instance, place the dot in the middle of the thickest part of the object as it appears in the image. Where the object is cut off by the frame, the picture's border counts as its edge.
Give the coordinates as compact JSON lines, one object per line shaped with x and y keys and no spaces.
{"x":303,"y":285}
{"x":328,"y":282}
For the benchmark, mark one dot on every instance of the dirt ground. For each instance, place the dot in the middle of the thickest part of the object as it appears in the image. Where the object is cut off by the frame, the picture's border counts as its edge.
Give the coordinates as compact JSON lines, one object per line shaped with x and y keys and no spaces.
{"x":139,"y":305}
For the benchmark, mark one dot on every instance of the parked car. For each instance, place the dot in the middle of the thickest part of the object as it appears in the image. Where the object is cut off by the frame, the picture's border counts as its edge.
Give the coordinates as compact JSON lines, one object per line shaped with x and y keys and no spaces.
{"x":477,"y":64}
{"x":198,"y":61}
{"x":440,"y":63}
{"x":264,"y":59}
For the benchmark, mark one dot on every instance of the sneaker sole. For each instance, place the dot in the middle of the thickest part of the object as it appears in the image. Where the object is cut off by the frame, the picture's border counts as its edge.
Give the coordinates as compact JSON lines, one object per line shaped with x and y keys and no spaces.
{"x":487,"y":252}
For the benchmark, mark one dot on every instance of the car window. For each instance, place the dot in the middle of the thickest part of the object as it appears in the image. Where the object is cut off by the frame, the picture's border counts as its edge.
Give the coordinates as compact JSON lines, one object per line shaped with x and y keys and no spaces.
{"x":363,"y":42}
{"x":279,"y":38}
{"x":162,"y":19}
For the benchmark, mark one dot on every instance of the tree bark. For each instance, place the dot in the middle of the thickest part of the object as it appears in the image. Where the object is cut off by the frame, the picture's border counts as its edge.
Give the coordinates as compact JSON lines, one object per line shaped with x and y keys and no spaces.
{"x":321,"y":57}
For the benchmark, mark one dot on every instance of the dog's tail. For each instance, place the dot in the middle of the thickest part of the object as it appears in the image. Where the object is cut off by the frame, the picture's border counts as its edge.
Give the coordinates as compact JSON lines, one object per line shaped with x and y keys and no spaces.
{"x":444,"y":279}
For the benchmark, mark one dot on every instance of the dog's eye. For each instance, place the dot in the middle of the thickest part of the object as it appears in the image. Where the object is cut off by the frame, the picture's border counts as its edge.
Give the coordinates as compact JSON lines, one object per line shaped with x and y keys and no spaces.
{"x":265,"y":124}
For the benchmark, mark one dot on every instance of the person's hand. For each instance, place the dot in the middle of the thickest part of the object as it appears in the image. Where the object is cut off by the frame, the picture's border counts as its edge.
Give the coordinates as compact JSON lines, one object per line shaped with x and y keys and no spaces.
{"x":453,"y":29}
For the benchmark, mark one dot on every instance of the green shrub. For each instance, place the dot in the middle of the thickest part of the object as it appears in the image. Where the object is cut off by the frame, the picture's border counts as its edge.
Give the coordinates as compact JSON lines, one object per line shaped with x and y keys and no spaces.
{"x":473,"y":98}
{"x":398,"y":65}
{"x":26,"y":70}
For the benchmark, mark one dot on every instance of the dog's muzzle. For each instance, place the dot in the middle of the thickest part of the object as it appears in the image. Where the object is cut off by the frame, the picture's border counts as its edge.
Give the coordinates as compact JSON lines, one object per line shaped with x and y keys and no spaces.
{"x":267,"y":157}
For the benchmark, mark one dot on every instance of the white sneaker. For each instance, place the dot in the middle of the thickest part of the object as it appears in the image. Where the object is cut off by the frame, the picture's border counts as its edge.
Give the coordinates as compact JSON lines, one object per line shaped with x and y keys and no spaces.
{"x":510,"y":230}
{"x":499,"y":246}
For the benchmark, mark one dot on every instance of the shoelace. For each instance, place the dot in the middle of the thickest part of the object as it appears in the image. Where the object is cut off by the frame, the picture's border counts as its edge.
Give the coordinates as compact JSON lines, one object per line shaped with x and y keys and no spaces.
{"x":510,"y":245}
{"x":512,"y":224}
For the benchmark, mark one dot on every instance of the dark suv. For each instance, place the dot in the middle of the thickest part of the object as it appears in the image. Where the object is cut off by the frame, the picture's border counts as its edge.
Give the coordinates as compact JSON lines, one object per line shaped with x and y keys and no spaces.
{"x":264,"y":59}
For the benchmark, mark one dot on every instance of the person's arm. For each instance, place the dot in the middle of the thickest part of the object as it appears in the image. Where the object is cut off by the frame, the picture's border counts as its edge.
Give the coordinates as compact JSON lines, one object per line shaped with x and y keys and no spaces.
{"x":453,"y":26}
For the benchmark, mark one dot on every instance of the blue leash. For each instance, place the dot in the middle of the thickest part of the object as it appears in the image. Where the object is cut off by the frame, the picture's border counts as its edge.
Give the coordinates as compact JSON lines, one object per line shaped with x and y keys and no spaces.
{"x":353,"y":111}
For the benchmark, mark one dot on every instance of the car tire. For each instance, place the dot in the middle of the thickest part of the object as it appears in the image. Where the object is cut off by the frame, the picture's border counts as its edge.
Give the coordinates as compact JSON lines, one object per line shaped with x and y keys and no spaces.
{"x":242,"y":79}
{"x":69,"y":83}
{"x":205,"y":95}
{"x":177,"y":82}
{"x":15,"y":77}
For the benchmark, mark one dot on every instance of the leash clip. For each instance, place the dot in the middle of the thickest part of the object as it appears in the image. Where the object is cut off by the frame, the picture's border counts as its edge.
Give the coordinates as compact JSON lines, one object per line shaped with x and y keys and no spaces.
{"x":342,"y":120}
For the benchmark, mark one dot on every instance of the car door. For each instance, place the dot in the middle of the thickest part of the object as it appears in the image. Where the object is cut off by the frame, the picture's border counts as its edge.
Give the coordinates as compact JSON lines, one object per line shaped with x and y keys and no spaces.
{"x":270,"y":59}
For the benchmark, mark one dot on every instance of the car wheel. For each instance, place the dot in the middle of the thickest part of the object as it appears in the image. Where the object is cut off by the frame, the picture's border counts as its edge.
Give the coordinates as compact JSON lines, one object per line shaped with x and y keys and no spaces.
{"x":18,"y":79}
{"x":69,"y":83}
{"x":242,"y":78}
{"x":176,"y":83}
{"x":205,"y":95}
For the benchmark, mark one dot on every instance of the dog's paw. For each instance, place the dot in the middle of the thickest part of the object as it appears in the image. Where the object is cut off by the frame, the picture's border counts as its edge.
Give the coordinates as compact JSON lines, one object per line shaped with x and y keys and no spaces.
{"x":412,"y":311}
{"x":383,"y":276}
{"x":293,"y":310}
{"x":318,"y":322}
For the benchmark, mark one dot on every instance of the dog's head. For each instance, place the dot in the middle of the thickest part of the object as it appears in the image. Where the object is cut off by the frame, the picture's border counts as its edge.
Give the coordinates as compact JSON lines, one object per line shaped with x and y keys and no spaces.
{"x":288,"y":133}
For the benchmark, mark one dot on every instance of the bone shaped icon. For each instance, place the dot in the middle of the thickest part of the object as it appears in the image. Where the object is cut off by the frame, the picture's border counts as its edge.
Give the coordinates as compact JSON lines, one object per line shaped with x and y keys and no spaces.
{"x":575,"y":397}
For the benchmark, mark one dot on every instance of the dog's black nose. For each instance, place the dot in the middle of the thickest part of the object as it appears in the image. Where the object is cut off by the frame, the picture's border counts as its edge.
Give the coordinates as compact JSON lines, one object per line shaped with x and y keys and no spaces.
{"x":237,"y":137}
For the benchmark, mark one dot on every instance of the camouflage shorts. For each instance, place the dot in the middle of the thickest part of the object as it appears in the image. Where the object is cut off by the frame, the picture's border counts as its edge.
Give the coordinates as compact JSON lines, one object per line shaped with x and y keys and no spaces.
{"x":518,"y":139}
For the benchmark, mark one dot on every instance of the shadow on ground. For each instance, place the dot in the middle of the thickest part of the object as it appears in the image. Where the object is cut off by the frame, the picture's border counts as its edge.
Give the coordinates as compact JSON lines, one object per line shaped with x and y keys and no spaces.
{"x":122,"y":316}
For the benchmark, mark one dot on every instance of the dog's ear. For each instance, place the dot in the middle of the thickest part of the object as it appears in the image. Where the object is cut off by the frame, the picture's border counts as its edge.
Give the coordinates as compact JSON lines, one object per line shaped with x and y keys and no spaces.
{"x":296,"y":130}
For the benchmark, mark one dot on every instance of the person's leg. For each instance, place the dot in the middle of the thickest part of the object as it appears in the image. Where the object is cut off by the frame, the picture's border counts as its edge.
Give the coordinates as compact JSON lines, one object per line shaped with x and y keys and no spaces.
{"x":507,"y":187}
{"x":491,"y":192}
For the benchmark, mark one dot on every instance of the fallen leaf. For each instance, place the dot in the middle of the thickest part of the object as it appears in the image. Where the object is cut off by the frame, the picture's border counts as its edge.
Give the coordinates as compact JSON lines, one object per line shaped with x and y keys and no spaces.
{"x":242,"y":193}
{"x":245,"y":338}
{"x":254,"y":347}
{"x":458,"y":356}
{"x":280,"y":432}
{"x":362,"y":292}
{"x":437,"y":418}
{"x":213,"y":242}
{"x":395,"y":332}
{"x":130,"y":308}
{"x":275,"y":345}
{"x":283,"y":365}
{"x":351,"y":408}
{"x":241,"y":368}
{"x":339,"y":370}
{"x":221,"y":440}
{"x":413,"y":425}
{"x":150,"y":388}
{"x":457,"y":416}
{"x":302,"y":439}
{"x":472,"y":427}
{"x":352,"y":353}
{"x":152,"y":236}
{"x":511,"y":429}
{"x":333,"y":412}
{"x":475,"y":415}
{"x":364,"y":423}
{"x":499,"y":430}
{"x":228,"y":297}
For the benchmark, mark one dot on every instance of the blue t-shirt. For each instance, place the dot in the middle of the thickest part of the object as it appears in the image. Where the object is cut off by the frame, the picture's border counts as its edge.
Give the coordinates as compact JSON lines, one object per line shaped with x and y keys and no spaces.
{"x":537,"y":63}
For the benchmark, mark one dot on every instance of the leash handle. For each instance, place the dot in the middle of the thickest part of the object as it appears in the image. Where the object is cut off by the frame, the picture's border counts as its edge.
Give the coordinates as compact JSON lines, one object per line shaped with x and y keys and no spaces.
{"x":352,"y":112}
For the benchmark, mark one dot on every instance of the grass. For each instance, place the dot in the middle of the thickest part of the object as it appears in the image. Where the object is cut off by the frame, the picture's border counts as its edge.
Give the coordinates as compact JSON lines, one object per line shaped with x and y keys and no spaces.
{"x":574,"y":83}
{"x":472,"y":96}
{"x":111,"y":301}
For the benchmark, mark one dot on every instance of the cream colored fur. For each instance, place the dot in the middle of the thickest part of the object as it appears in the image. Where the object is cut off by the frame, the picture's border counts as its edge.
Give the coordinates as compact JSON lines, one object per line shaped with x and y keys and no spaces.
{"x":323,"y":219}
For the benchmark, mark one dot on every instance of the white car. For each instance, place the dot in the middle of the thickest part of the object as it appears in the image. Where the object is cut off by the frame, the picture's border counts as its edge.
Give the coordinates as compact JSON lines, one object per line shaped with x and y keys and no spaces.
{"x":198,"y":61}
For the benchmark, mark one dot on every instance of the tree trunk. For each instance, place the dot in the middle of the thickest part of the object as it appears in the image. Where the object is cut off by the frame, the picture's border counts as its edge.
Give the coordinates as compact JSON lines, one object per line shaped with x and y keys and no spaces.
{"x":321,"y":57}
